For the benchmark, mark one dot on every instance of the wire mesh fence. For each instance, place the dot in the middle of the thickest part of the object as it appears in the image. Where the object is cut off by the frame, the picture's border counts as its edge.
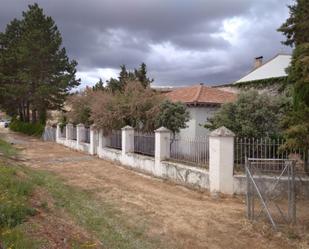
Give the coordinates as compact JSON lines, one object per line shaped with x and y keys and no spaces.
{"x":266,"y":148}
{"x":272,"y":200}
{"x":191,"y":151}
{"x":115,"y":140}
{"x":87,"y":135}
{"x":144,"y":143}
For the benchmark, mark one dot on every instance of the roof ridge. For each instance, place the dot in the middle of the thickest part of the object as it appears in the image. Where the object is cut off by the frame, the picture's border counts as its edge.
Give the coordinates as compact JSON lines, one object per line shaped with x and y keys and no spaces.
{"x":198,"y":94}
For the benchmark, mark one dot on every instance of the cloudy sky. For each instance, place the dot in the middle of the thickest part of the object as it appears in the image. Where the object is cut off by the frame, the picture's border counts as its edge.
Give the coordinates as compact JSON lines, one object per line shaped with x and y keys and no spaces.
{"x":183,"y":42}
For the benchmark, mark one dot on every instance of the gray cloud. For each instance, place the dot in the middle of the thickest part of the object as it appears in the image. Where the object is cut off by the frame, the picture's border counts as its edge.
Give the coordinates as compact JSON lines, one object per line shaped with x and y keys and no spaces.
{"x":182,"y":42}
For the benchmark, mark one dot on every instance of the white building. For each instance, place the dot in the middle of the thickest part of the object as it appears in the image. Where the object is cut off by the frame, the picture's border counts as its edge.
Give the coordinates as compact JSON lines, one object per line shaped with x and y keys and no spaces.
{"x":273,"y":68}
{"x":202,"y":102}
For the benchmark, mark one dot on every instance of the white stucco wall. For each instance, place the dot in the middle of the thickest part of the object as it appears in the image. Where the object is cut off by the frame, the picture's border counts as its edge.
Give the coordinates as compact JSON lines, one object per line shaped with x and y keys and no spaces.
{"x":198,"y":117}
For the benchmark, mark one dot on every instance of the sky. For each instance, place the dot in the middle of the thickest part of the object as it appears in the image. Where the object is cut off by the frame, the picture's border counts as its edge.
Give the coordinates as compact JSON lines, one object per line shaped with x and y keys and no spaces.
{"x":182,"y":42}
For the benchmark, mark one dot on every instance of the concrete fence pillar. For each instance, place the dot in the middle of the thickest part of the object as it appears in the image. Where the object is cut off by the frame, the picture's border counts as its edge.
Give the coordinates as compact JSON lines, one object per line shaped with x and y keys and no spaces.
{"x":127,"y":139}
{"x":162,"y":144}
{"x":80,"y":133}
{"x":58,"y":133}
{"x":93,"y":140}
{"x":69,"y":131}
{"x":221,"y":161}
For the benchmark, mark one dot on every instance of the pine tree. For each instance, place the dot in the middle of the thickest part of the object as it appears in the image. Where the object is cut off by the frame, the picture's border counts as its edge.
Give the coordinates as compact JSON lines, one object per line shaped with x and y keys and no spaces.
{"x":141,"y":75}
{"x":35,"y":71}
{"x":99,"y":86}
{"x":123,"y":75}
{"x":12,"y":90}
{"x":296,"y":29}
{"x":47,"y":68}
{"x":126,"y":76}
{"x":296,"y":26}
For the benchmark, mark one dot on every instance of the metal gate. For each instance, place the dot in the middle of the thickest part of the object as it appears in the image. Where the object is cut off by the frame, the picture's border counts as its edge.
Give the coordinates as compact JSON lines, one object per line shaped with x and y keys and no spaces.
{"x":271,"y":190}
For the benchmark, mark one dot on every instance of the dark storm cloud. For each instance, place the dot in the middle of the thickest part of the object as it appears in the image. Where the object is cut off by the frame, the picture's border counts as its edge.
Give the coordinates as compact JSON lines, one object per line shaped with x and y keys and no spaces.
{"x":182,"y":42}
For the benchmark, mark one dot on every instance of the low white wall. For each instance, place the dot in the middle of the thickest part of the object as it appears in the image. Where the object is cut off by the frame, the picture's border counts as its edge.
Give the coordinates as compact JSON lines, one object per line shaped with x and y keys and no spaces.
{"x":180,"y":173}
{"x":219,"y":178}
{"x":85,"y":147}
{"x":195,"y":177}
{"x":302,"y":185}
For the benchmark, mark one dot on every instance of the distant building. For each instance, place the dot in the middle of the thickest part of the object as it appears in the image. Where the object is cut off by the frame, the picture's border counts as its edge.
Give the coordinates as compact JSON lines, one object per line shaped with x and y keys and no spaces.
{"x":265,"y":77}
{"x":202,"y":102}
{"x":273,"y":68}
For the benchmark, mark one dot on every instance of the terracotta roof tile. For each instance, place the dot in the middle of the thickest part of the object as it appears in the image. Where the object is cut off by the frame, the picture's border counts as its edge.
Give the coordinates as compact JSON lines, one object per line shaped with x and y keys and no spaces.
{"x":200,"y":94}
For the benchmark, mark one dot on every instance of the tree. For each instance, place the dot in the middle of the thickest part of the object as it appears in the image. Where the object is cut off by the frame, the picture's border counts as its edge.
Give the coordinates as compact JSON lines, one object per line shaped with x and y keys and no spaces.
{"x":296,"y":27}
{"x":43,"y":74}
{"x":251,"y":115}
{"x":80,"y":107}
{"x":99,"y":86}
{"x":135,"y":106}
{"x":296,"y":30}
{"x":126,"y":76}
{"x":13,"y":91}
{"x":141,"y":75}
{"x":173,"y":116}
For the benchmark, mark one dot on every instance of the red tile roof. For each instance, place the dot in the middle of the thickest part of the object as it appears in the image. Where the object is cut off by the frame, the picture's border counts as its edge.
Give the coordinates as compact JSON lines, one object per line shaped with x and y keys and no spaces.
{"x":200,"y":94}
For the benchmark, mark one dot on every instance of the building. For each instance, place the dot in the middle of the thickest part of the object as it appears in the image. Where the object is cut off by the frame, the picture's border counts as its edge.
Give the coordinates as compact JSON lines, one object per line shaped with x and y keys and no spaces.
{"x":267,"y":76}
{"x":202,"y":102}
{"x":273,"y":68}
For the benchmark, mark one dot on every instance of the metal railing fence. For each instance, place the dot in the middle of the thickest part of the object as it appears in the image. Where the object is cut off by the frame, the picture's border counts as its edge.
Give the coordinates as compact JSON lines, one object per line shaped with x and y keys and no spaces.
{"x":144,"y":143}
{"x":63,"y":132}
{"x":266,"y":148}
{"x":115,"y":140}
{"x":87,"y":135}
{"x":192,"y":151}
{"x":74,"y":133}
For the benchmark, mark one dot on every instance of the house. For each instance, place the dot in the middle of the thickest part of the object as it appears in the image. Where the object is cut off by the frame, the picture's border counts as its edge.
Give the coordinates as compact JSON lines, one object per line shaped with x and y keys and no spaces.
{"x":202,"y":102}
{"x":266,"y":76}
{"x":273,"y":68}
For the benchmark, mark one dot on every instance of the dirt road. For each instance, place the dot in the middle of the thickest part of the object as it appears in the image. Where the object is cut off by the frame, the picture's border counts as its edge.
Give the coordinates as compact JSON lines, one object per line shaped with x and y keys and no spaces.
{"x":172,"y":213}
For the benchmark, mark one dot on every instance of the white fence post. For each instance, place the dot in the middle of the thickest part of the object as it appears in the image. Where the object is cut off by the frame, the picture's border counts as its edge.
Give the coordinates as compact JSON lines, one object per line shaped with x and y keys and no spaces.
{"x":127,"y":139}
{"x":69,"y":131}
{"x":162,"y":144}
{"x":80,"y":133}
{"x":221,"y":161}
{"x":93,"y":140}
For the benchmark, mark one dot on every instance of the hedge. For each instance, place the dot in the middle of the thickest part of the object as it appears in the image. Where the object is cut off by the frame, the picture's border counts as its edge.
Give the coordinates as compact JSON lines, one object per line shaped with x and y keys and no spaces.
{"x":27,"y":128}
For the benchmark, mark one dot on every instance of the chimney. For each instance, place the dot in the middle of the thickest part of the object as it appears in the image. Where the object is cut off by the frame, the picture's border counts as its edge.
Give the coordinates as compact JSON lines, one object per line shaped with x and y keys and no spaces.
{"x":258,"y":61}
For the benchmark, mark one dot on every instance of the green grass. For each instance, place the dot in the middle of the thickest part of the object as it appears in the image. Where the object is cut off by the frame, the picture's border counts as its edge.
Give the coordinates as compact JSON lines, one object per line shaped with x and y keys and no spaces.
{"x":6,"y":149}
{"x":100,"y":218}
{"x":14,"y":207}
{"x":15,"y":238}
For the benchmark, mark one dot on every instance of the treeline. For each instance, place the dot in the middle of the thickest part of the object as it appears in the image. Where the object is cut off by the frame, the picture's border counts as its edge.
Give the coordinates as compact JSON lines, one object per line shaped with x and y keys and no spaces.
{"x":127,"y":100}
{"x":125,"y":76}
{"x":36,"y":74}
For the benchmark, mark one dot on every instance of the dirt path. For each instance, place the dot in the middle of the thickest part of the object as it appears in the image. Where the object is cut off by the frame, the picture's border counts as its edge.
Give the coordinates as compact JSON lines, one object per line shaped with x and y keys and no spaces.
{"x":185,"y":218}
